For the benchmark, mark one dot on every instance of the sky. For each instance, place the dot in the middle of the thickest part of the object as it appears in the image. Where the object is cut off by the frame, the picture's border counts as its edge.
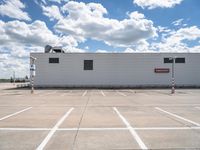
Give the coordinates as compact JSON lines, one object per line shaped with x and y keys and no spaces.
{"x":103,"y":26}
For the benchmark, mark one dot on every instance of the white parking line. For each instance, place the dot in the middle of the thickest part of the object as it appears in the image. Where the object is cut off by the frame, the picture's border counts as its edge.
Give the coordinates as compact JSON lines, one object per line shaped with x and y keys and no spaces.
{"x":120,"y":93}
{"x":131,"y":130}
{"x":45,"y":94}
{"x":197,"y":108}
{"x":102,"y":93}
{"x":100,"y":129}
{"x":84,"y":93}
{"x":66,"y":93}
{"x":53,"y":130}
{"x":179,"y":117}
{"x":25,"y":129}
{"x":16,"y":113}
{"x":133,"y":91}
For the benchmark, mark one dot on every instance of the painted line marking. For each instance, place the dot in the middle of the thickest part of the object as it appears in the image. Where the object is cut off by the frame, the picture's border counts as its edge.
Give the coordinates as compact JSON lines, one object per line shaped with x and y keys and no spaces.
{"x":16,"y":113}
{"x":25,"y":129}
{"x":45,"y":94}
{"x":11,"y":94}
{"x":39,"y":92}
{"x":53,"y":130}
{"x":102,"y":93}
{"x":66,"y":93}
{"x":132,"y":91}
{"x":197,"y":108}
{"x":177,"y":116}
{"x":131,"y":130}
{"x":84,"y":93}
{"x":100,"y":129}
{"x":120,"y":93}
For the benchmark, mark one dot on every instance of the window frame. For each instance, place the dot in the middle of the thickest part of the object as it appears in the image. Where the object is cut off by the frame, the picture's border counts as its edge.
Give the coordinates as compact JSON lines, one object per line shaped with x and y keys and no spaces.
{"x":167,"y":60}
{"x":52,"y":60}
{"x":179,"y":60}
{"x":87,"y":66}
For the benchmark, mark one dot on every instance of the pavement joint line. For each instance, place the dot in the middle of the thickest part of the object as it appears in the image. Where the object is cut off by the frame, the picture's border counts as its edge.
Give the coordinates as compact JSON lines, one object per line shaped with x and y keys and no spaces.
{"x":16,"y":113}
{"x":131,"y":130}
{"x":103,"y":93}
{"x":79,"y":123}
{"x":85,"y":92}
{"x":100,"y":129}
{"x":177,"y":116}
{"x":53,"y":130}
{"x":120,"y":93}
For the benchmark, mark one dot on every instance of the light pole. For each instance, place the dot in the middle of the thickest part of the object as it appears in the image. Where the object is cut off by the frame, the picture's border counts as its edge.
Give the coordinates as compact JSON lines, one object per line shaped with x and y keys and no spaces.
{"x":32,"y":72}
{"x":13,"y":77}
{"x":173,"y":79}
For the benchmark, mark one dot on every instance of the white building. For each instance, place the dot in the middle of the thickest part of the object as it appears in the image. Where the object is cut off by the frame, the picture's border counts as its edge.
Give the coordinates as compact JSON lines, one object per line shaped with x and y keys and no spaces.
{"x":116,"y":69}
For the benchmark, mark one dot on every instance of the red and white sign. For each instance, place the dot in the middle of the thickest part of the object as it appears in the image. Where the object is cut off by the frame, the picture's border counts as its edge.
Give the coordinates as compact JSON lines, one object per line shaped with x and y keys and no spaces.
{"x":161,"y":70}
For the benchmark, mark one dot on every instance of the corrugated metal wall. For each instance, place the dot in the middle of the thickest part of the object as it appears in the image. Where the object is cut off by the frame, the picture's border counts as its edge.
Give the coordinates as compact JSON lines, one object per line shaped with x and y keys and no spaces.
{"x":114,"y":70}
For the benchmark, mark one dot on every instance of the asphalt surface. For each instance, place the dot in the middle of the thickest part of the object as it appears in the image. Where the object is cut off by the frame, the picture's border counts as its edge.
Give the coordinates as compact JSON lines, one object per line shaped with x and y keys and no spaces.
{"x":82,"y":119}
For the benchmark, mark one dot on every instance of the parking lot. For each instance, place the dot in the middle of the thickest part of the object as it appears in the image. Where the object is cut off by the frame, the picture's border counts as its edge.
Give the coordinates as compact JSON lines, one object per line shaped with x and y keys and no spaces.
{"x":80,"y":119}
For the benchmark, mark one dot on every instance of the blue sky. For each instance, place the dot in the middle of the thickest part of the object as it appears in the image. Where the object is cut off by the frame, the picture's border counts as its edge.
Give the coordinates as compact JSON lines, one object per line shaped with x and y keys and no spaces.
{"x":129,"y":26}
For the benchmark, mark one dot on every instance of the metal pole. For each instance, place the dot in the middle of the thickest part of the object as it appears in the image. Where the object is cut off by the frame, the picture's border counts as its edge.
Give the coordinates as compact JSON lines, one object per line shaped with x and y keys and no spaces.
{"x":32,"y":88}
{"x":13,"y":77}
{"x":32,"y":75}
{"x":173,"y":79}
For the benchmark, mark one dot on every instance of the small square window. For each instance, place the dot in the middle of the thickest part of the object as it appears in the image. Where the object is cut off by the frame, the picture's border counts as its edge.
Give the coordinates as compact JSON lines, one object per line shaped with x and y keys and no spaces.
{"x":88,"y":64}
{"x":53,"y":60}
{"x":168,"y":60}
{"x":180,"y":60}
{"x":177,"y":60}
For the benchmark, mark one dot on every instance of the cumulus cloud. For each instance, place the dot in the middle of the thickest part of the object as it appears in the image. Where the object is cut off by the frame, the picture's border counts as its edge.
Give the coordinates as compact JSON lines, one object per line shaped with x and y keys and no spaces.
{"x":89,"y":21}
{"x":151,"y":4}
{"x":171,"y":41}
{"x":18,"y":39}
{"x":14,"y":9}
{"x":18,"y":32}
{"x":53,"y":12}
{"x":176,"y":41}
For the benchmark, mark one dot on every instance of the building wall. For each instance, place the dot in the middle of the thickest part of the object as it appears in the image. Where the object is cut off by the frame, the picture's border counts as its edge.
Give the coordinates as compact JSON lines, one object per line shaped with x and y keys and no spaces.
{"x":115,"y":70}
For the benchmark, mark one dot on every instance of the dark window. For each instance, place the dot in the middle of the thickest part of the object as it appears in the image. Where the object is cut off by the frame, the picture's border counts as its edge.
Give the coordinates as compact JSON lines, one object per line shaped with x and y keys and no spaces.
{"x":168,"y":60}
{"x":177,"y":60}
{"x":53,"y":60}
{"x":180,"y":60}
{"x":88,"y":64}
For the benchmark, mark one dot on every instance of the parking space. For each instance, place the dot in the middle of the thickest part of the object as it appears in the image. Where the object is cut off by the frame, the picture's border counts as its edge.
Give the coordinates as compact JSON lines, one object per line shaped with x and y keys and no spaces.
{"x":82,"y":119}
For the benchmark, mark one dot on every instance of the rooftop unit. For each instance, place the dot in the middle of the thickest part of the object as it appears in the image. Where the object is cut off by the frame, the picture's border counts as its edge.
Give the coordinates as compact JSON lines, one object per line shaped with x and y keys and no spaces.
{"x":55,"y":49}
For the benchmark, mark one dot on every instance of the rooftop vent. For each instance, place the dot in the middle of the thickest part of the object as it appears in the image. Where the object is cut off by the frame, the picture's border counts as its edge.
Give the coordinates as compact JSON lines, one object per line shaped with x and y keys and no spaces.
{"x":50,"y":49}
{"x":57,"y":50}
{"x":47,"y":49}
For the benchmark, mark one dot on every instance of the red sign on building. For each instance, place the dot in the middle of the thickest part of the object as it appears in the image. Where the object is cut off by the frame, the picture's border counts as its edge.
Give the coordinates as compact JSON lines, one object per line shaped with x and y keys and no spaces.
{"x":161,"y":70}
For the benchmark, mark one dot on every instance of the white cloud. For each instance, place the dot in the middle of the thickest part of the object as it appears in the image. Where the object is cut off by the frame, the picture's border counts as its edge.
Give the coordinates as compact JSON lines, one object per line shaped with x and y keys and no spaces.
{"x":176,"y":41}
{"x":19,"y":32}
{"x":13,"y":9}
{"x":18,"y":39}
{"x":163,"y":29}
{"x":88,"y":21}
{"x":86,"y":47}
{"x":177,"y":22}
{"x":101,"y":51}
{"x":53,"y":12}
{"x":151,"y":4}
{"x":45,"y":2}
{"x":171,"y":41}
